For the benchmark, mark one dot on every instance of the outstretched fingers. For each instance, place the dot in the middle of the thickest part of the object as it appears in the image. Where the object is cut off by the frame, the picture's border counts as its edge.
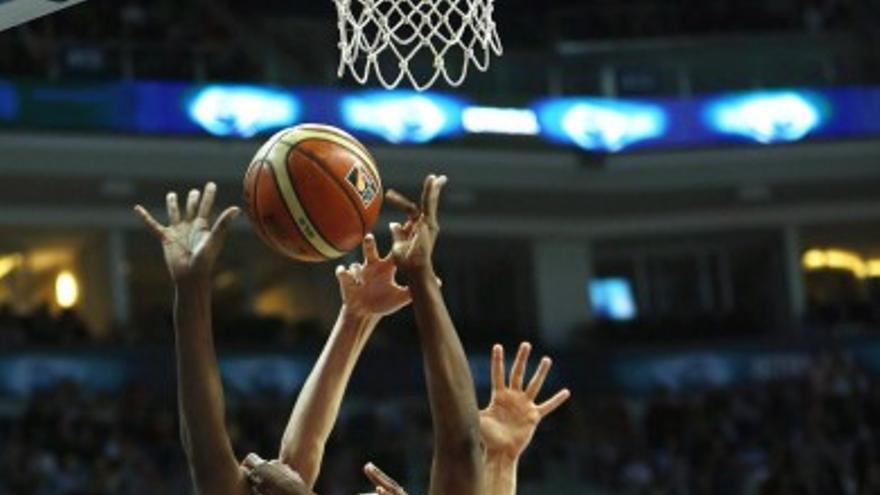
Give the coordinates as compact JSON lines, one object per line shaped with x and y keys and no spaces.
{"x":517,"y":374}
{"x":221,"y":226}
{"x":384,"y":484}
{"x":345,"y":277}
{"x":151,"y":222}
{"x":554,"y":402}
{"x":402,"y":203}
{"x":207,"y":203}
{"x":426,"y":192}
{"x":370,"y":250}
{"x":497,"y":368}
{"x":357,"y":272}
{"x":431,"y":203}
{"x":192,"y":203}
{"x":173,"y":208}
{"x":537,"y":381}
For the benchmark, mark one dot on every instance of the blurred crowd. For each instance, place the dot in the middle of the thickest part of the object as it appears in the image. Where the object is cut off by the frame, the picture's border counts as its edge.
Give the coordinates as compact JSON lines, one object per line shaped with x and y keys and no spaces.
{"x":44,"y":329}
{"x":818,"y":434}
{"x":133,"y":38}
{"x":67,"y":441}
{"x":41,"y":327}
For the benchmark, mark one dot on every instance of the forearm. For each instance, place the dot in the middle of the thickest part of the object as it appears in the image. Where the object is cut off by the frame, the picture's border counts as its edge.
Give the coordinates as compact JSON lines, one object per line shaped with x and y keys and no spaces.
{"x":450,"y":386}
{"x":317,"y":407}
{"x":500,"y":475}
{"x":200,"y":395}
{"x":451,"y":391}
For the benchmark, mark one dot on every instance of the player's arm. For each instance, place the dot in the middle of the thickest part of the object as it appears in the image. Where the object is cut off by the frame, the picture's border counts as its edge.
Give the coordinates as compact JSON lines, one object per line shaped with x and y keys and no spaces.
{"x":191,"y":247}
{"x":458,"y":463}
{"x":369,"y":292}
{"x":508,"y":424}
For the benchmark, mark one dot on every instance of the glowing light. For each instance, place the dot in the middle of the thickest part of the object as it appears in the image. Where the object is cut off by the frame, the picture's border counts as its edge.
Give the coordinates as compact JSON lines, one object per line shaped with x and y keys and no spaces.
{"x":768,"y":117}
{"x":612,"y":298}
{"x":835,"y":259}
{"x":403,"y":116}
{"x":491,"y":120}
{"x":602,"y":125}
{"x":66,"y":290}
{"x":839,"y":259}
{"x":873,"y":268}
{"x":814,"y":259}
{"x":242,"y":110}
{"x":225,"y":280}
{"x":10,"y":262}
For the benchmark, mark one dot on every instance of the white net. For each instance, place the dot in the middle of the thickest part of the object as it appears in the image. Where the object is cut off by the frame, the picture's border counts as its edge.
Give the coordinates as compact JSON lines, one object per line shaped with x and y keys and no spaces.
{"x":419,"y":41}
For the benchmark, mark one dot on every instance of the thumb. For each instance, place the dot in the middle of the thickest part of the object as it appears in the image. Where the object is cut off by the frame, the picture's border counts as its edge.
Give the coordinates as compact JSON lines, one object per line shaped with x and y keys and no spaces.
{"x":403,"y":296}
{"x":397,"y":234}
{"x":252,"y":461}
{"x":221,"y":226}
{"x":345,"y":277}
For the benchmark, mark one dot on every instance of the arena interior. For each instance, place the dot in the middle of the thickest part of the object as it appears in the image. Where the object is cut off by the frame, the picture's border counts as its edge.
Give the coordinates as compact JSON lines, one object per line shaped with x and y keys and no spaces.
{"x":677,"y":200}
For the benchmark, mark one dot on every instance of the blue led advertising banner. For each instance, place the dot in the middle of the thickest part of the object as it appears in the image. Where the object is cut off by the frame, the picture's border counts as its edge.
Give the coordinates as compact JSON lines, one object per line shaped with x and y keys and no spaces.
{"x":600,"y":125}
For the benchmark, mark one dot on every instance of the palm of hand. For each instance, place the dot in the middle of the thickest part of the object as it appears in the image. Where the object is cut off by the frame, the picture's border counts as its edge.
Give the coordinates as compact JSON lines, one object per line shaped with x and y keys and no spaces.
{"x":413,"y":243}
{"x":280,"y":479}
{"x":190,"y":246}
{"x":187,"y":247}
{"x":377,"y":293}
{"x":509,"y":423}
{"x":273,"y":477}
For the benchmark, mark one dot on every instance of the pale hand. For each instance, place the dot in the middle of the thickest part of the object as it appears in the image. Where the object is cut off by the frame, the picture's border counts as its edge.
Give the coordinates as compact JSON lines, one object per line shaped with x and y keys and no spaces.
{"x":385,"y":485}
{"x":272,"y":477}
{"x":369,"y":289}
{"x":414,"y":241}
{"x":509,"y":422}
{"x":190,"y":243}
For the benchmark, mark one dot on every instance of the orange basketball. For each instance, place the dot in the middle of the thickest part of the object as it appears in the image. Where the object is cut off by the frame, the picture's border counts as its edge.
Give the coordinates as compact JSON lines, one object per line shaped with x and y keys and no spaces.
{"x":313,"y":192}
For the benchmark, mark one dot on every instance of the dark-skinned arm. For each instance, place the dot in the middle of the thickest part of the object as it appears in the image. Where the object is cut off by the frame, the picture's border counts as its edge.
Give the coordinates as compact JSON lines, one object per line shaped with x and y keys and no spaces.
{"x":457,"y":451}
{"x":507,"y":425}
{"x":200,"y":394}
{"x":191,"y":247}
{"x":458,"y":464}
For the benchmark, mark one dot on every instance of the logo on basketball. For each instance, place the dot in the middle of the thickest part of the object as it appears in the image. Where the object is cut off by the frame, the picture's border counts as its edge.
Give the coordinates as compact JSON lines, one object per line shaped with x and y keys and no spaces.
{"x":364,"y":183}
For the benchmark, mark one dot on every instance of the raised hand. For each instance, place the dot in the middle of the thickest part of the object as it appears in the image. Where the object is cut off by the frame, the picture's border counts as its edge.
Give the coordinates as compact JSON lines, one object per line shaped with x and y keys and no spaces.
{"x":458,"y":455}
{"x":385,"y":485}
{"x":368,"y":293}
{"x":191,"y":243}
{"x":369,"y":289}
{"x":272,"y":477}
{"x":509,"y":422}
{"x":414,"y":241}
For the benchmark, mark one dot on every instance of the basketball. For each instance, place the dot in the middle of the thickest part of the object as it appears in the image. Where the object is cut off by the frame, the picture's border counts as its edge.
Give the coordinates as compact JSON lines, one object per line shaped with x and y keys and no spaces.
{"x":313,"y":192}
